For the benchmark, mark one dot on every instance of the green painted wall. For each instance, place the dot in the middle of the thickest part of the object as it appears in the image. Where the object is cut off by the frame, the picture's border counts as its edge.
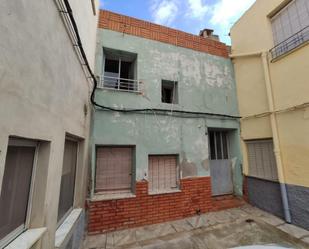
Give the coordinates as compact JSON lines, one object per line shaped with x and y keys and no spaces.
{"x":205,"y":84}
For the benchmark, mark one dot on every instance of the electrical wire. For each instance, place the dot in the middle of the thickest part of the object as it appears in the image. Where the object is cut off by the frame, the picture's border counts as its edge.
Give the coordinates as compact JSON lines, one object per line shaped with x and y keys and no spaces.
{"x":66,"y":10}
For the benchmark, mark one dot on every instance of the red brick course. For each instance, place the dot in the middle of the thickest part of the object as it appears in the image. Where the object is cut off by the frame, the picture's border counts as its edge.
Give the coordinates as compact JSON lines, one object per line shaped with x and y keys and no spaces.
{"x":145,"y":209}
{"x":148,"y":30}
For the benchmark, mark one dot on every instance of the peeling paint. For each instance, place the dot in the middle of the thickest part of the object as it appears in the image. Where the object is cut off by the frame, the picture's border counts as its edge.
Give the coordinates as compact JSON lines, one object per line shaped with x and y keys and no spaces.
{"x":188,"y":168}
{"x":205,"y":83}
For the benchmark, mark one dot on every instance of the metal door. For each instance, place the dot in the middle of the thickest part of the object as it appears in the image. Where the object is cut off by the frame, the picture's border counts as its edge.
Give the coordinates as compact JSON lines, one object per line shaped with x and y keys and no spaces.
{"x":220,"y":163}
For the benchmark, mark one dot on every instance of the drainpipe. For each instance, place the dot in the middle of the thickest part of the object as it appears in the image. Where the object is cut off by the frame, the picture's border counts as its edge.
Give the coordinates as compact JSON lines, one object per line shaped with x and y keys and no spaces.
{"x":274,"y":128}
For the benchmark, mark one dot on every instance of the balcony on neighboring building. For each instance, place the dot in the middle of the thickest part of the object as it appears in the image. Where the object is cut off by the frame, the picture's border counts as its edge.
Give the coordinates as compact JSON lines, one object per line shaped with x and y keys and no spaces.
{"x":291,"y":43}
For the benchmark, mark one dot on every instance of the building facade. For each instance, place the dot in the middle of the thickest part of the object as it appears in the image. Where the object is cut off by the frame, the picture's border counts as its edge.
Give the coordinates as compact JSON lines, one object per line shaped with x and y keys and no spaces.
{"x":270,"y":54}
{"x":165,"y":140}
{"x":44,"y":124}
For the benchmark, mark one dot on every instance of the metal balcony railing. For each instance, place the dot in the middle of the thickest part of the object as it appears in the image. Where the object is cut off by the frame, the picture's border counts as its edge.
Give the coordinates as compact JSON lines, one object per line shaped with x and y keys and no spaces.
{"x":119,"y":84}
{"x":292,"y":42}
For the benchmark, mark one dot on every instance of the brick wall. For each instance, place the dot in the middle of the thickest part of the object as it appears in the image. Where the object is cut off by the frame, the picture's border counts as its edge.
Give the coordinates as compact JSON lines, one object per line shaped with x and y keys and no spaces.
{"x":147,"y":209}
{"x":148,"y":30}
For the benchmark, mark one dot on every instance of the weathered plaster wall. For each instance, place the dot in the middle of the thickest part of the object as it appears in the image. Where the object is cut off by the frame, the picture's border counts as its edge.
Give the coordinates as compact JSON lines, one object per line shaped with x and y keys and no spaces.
{"x":205,"y":84}
{"x":43,"y":95}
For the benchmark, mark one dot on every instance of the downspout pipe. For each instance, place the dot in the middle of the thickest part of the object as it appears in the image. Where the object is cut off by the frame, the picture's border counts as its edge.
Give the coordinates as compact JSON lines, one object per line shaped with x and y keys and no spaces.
{"x":273,"y":121}
{"x":274,"y":128}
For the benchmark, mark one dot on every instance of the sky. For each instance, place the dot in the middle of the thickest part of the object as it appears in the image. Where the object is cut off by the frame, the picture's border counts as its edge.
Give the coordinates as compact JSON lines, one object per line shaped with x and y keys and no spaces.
{"x":187,"y":15}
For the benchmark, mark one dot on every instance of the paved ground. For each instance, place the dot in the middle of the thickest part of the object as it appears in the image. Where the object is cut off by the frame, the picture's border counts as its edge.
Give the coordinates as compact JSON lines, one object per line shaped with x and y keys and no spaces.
{"x":218,"y":230}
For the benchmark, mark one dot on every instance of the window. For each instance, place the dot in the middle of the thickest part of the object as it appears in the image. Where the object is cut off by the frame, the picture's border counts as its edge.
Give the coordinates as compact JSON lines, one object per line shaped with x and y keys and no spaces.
{"x":93,"y":7}
{"x":261,"y":159}
{"x":114,"y":169}
{"x":290,"y":27}
{"x":218,"y":142}
{"x":16,"y":188}
{"x":163,"y":173}
{"x":120,"y":70}
{"x":66,"y":198}
{"x":169,"y":92}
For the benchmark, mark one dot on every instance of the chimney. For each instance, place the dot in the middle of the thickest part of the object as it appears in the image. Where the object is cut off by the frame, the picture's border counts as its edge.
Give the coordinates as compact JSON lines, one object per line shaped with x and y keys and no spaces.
{"x":208,"y":33}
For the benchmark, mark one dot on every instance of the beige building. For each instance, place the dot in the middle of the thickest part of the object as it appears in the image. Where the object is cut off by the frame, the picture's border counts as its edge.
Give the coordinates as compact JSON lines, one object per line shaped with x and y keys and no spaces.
{"x":271,"y":58}
{"x":44,"y":122}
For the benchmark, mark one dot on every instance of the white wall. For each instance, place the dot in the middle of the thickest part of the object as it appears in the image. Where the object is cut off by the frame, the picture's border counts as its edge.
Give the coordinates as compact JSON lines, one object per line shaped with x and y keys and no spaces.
{"x":44,"y":91}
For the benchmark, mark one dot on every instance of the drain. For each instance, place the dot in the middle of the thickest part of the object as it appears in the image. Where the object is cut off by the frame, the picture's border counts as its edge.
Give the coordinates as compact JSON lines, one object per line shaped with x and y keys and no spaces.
{"x":249,"y":220}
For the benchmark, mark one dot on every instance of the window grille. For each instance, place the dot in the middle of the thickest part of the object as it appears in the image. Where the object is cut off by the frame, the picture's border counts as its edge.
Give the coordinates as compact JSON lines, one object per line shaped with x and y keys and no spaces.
{"x":290,"y":27}
{"x":218,"y":142}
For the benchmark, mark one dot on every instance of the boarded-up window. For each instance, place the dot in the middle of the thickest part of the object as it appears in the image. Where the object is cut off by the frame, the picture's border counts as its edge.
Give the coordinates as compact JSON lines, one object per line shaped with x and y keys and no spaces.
{"x":261,"y":158}
{"x":16,"y":185}
{"x":114,"y":169}
{"x":66,"y":197}
{"x":163,"y":173}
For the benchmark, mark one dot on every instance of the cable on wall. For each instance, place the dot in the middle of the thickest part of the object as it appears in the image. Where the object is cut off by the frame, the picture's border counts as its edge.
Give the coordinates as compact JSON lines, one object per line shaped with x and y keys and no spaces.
{"x":68,"y":17}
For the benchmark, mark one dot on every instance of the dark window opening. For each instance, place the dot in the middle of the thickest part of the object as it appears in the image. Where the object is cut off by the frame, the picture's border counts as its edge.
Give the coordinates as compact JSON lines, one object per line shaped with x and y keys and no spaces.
{"x":169,"y":92}
{"x":120,"y":70}
{"x":218,"y":143}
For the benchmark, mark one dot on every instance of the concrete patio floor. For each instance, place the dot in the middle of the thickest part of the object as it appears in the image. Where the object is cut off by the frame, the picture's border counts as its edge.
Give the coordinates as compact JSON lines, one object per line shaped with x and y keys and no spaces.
{"x":230,"y":228}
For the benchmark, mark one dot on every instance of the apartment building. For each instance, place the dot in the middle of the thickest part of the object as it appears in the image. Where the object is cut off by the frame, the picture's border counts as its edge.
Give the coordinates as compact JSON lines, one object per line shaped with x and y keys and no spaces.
{"x":44,"y":122}
{"x":270,"y":54}
{"x":165,"y":132}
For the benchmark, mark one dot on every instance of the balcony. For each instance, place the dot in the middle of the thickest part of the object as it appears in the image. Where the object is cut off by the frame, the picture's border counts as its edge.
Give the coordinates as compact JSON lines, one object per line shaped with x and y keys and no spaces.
{"x":291,"y":43}
{"x":119,"y":84}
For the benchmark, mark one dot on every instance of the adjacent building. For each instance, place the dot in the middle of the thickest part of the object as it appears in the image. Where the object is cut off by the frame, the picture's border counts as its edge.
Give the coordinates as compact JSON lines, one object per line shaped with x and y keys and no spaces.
{"x":44,"y":122}
{"x":165,"y":141}
{"x":270,"y":54}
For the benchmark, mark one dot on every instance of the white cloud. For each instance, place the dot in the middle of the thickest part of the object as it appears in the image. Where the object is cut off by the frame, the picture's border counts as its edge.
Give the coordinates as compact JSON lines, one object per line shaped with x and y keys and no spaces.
{"x":197,"y":9}
{"x":164,"y":12}
{"x":226,"y":12}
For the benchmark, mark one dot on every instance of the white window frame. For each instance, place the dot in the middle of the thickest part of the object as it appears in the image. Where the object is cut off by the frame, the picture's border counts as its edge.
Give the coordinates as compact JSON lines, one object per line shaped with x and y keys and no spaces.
{"x":18,"y":231}
{"x":136,"y":84}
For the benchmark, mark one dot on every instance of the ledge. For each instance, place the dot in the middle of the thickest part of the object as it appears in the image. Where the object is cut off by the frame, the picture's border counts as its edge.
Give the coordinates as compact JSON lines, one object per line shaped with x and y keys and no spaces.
{"x":165,"y":192}
{"x":106,"y":197}
{"x":27,"y":239}
{"x":66,"y":227}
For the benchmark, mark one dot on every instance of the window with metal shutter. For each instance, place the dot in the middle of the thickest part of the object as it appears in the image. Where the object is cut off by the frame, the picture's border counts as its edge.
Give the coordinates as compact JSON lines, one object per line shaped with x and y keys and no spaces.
{"x":163,"y":173}
{"x":261,"y":159}
{"x":114,"y":169}
{"x":290,"y":20}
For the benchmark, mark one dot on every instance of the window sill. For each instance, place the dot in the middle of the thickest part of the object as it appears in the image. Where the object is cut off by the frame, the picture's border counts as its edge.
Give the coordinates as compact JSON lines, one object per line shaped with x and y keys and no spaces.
{"x":164,"y":192}
{"x":66,"y":227}
{"x":27,"y":239}
{"x":106,"y":197}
